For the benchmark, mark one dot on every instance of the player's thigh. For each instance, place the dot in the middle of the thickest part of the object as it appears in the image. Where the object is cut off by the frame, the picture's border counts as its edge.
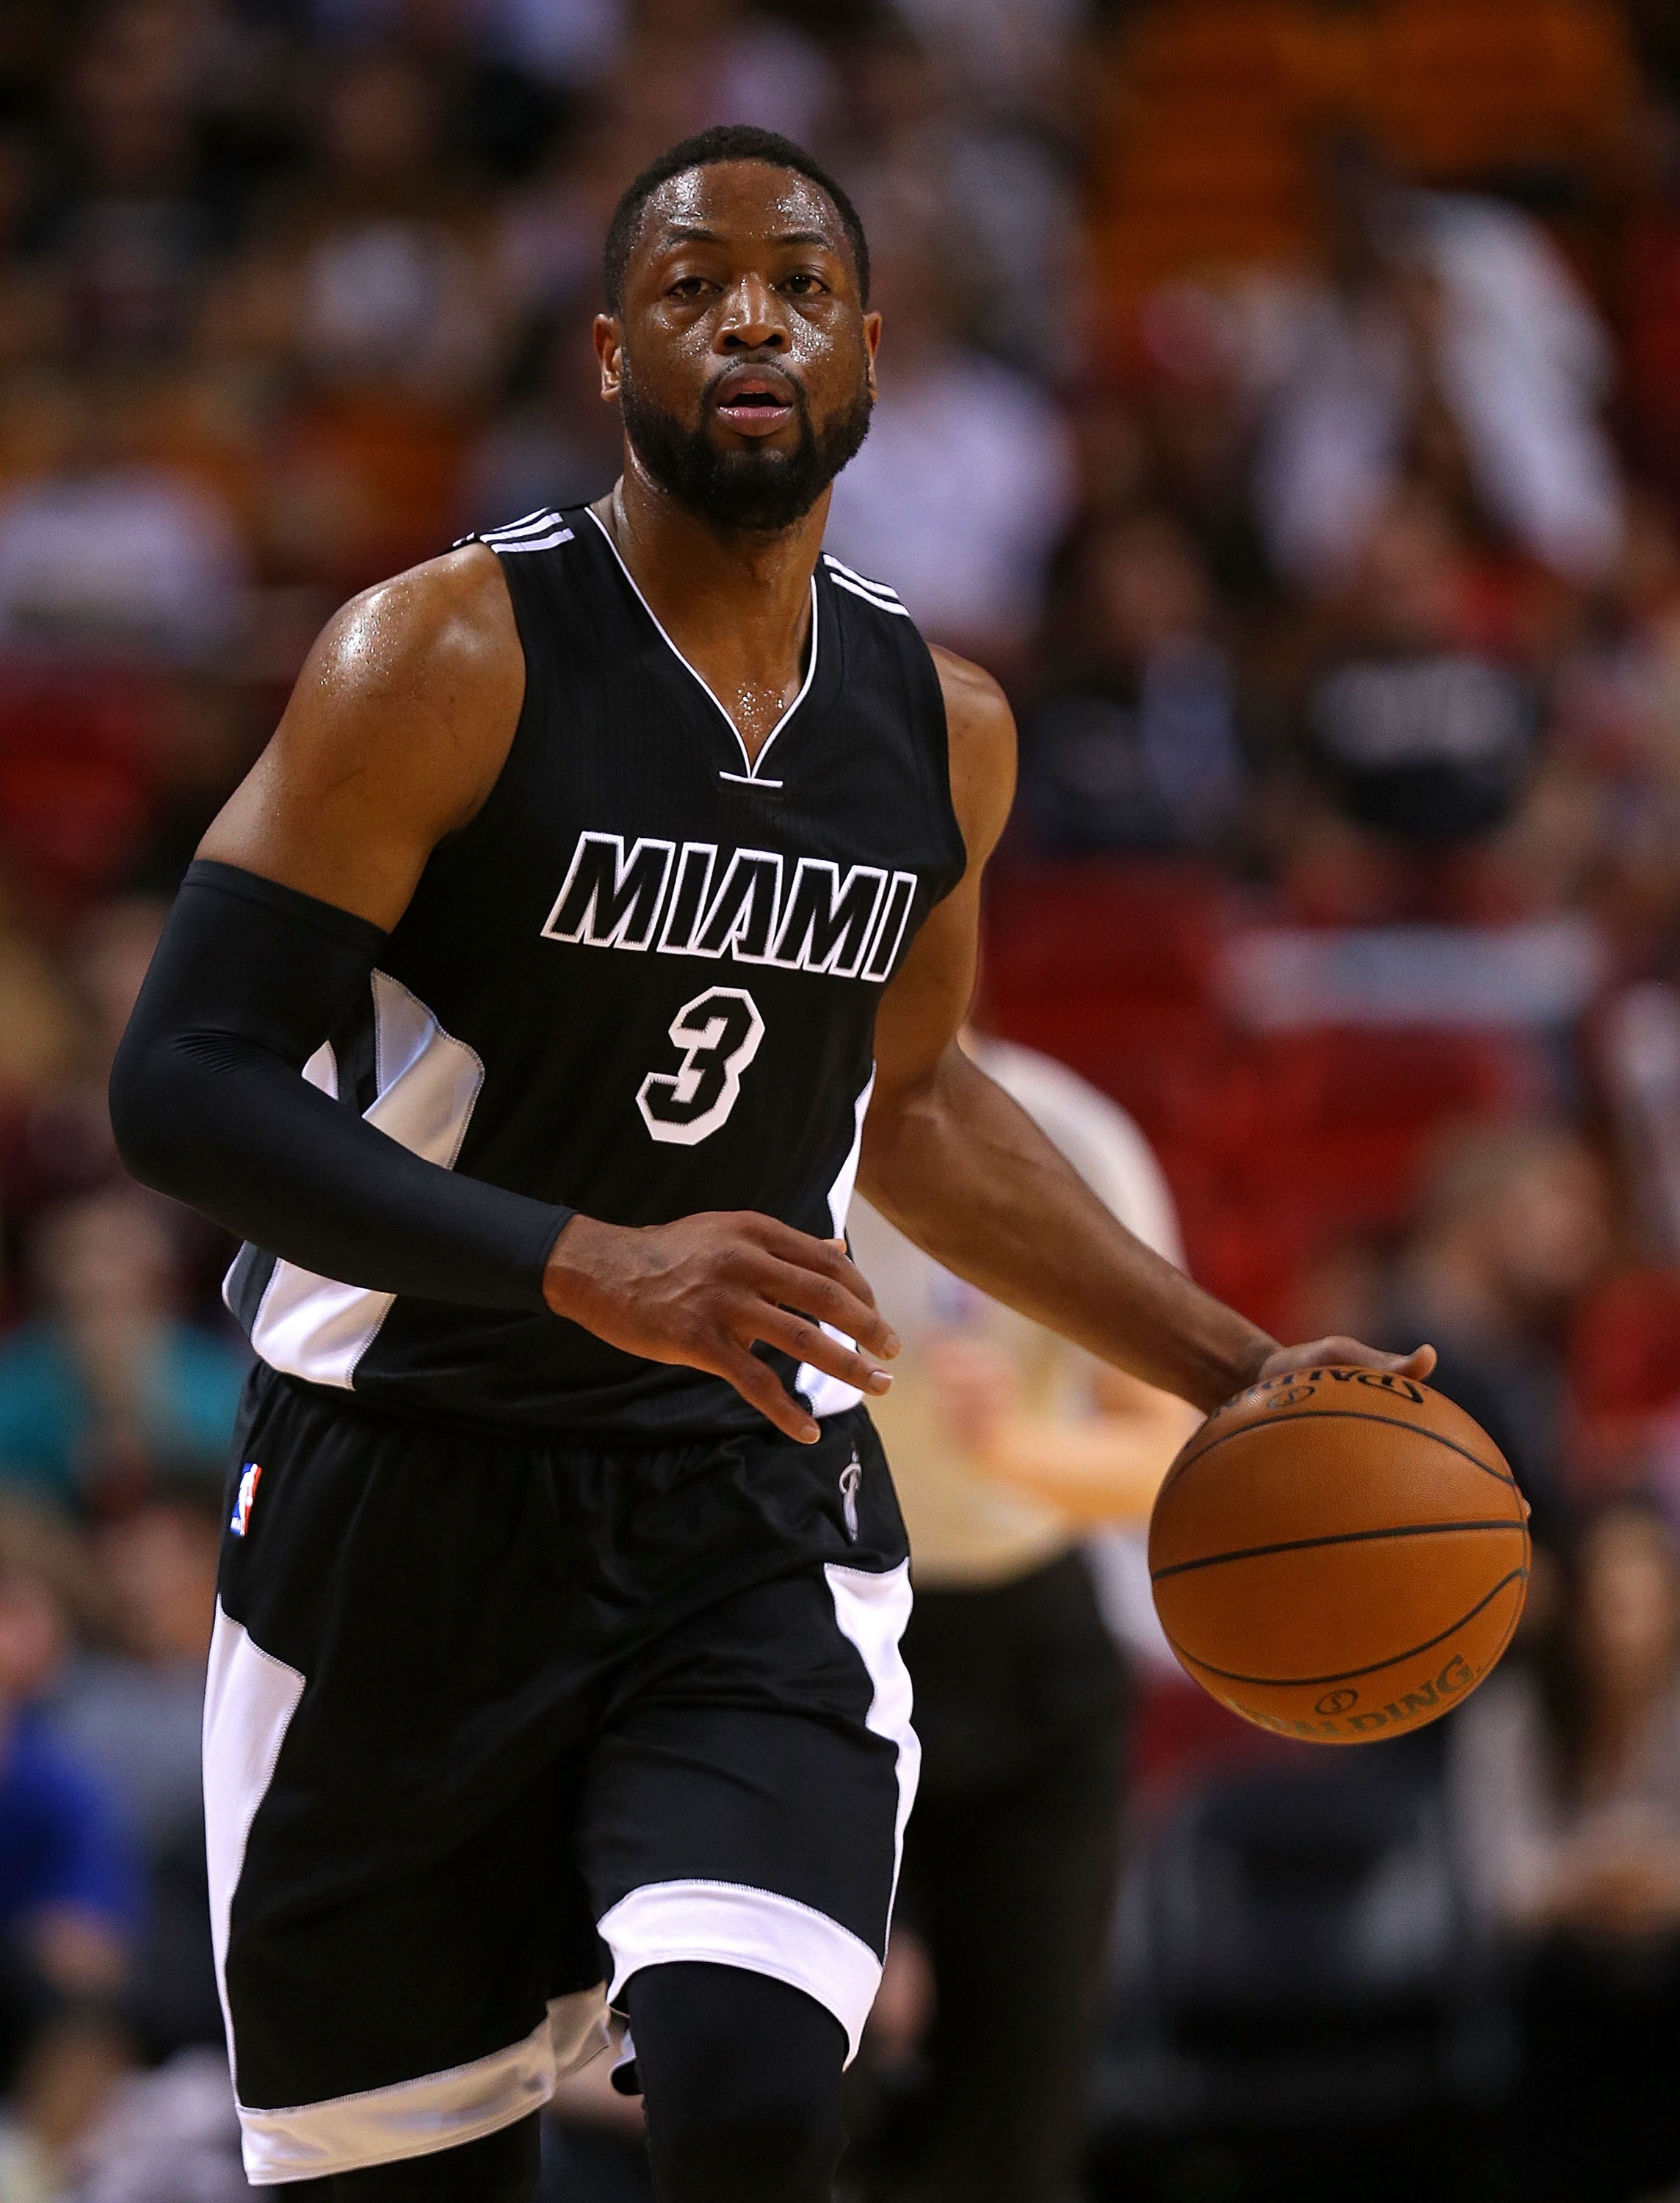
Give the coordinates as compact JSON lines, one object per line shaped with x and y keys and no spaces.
{"x":389,"y":1797}
{"x":747,"y":1796}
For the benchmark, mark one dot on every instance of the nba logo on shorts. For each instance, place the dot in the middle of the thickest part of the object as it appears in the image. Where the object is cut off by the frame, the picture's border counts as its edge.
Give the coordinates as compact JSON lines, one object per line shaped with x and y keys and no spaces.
{"x":242,"y":1506}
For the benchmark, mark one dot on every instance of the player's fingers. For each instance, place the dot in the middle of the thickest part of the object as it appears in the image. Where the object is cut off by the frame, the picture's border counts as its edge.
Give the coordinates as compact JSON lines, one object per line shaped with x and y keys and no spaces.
{"x":1347,"y":1353}
{"x":826,"y":1257}
{"x":807,"y":1341}
{"x":830,"y":1302}
{"x":761,"y":1388}
{"x":1418,"y":1364}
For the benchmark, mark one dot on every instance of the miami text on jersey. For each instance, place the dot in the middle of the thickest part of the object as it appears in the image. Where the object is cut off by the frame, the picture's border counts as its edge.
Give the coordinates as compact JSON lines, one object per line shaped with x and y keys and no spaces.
{"x":741,"y":903}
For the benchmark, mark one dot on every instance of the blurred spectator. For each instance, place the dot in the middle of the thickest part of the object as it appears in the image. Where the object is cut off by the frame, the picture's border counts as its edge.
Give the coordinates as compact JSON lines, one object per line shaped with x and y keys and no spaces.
{"x":63,"y":1143}
{"x":70,"y":1897}
{"x":1514,"y":1221}
{"x":106,"y":556}
{"x":106,"y":1383}
{"x":1616,"y":737}
{"x":1137,"y":746}
{"x":961,"y":108}
{"x":1448,"y":337}
{"x":549,"y":230}
{"x":1007,"y":1444}
{"x":370,"y":277}
{"x":1422,"y":735}
{"x":1001,"y":56}
{"x":28,"y":316}
{"x":1568,"y":1789}
{"x":134,"y":1714}
{"x":690,"y":64}
{"x":131,"y":239}
{"x":964,"y":485}
{"x":390,"y":286}
{"x":168,"y":2136}
{"x":41,"y":1032}
{"x":558,"y":443}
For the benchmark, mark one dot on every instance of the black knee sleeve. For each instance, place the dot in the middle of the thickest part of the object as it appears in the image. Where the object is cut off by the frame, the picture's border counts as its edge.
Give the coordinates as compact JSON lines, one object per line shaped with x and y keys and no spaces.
{"x":741,"y":2078}
{"x":500,"y":2168}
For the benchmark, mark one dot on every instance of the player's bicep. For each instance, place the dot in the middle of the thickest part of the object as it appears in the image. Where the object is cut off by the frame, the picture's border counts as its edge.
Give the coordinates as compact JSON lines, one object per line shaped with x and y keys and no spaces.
{"x":398,"y":726}
{"x":928,"y":996}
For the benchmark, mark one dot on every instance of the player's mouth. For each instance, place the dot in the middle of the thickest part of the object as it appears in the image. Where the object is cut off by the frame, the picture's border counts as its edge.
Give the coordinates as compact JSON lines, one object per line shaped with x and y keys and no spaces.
{"x":754,"y":401}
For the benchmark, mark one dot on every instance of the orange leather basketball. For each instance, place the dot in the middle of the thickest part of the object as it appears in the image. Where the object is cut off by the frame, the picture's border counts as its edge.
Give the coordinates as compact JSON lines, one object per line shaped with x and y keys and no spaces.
{"x":1339,"y":1555}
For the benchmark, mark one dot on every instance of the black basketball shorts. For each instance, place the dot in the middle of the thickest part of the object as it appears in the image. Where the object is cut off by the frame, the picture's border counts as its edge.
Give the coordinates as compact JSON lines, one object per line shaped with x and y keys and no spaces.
{"x":493,"y":1725}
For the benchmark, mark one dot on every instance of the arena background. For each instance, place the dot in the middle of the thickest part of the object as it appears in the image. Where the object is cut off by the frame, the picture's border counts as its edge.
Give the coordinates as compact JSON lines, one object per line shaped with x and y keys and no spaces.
{"x":1282,"y":398}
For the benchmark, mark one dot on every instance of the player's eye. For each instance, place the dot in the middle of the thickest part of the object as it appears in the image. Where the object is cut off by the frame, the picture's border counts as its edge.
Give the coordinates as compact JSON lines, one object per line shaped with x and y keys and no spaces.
{"x":803,"y":284}
{"x":688,"y":287}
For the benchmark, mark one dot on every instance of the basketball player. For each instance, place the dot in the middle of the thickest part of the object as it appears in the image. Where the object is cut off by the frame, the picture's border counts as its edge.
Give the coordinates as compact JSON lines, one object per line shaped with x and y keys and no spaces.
{"x":612,"y":884}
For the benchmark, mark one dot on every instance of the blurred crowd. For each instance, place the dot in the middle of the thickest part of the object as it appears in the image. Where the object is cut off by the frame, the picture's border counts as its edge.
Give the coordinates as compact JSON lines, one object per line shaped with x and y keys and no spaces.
{"x":1282,"y":398}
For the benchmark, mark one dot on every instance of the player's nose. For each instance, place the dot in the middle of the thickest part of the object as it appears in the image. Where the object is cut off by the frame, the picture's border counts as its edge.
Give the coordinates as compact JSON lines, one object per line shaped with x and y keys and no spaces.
{"x":752,"y":319}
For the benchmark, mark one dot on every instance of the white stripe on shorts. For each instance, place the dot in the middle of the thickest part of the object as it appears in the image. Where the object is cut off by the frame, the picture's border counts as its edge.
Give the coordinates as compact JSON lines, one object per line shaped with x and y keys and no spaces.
{"x":729,"y":1923}
{"x":726,"y":1923}
{"x":440,"y":2110}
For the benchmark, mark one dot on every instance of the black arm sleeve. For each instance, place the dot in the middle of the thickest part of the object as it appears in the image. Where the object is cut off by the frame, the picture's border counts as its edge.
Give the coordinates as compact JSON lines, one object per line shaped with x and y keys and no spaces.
{"x":208,"y":1104}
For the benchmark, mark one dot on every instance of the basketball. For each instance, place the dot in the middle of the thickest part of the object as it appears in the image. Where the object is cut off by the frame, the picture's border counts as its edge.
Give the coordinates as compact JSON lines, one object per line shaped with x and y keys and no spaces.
{"x":1339,"y":1555}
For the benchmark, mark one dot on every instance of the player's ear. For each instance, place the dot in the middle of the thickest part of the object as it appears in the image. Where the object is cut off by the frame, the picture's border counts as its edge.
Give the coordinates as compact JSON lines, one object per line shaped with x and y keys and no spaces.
{"x":872,"y":345}
{"x":610,"y":351}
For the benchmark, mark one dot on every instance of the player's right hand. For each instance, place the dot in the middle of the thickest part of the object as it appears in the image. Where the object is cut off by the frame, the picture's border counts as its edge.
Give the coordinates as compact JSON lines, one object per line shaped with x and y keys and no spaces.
{"x":704,"y":1291}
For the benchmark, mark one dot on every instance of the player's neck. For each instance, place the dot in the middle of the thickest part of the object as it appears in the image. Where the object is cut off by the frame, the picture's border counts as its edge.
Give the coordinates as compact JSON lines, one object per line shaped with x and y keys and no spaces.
{"x":737,"y":605}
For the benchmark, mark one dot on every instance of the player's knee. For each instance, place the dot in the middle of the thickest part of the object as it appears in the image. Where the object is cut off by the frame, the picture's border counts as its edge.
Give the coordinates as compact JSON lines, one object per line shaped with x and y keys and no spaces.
{"x":741,"y":2079}
{"x":753,"y":2145}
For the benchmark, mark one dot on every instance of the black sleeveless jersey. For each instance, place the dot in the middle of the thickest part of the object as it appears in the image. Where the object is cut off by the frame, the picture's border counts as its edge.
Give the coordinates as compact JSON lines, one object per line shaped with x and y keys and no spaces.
{"x":642,"y":982}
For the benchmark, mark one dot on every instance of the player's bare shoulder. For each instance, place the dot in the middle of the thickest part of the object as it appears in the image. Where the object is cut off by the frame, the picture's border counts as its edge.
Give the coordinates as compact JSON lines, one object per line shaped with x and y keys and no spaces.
{"x":981,"y":732}
{"x":427,"y":663}
{"x":400,"y":722}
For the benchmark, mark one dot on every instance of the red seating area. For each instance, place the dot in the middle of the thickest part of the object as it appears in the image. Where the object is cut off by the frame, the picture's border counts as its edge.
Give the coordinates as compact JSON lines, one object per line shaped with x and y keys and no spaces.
{"x":1276,"y":1144}
{"x":78,"y":754}
{"x":1626,"y":1351}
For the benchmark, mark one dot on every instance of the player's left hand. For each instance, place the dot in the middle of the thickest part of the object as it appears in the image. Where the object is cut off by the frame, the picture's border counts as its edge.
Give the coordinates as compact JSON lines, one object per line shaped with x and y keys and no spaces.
{"x":1346,"y":1354}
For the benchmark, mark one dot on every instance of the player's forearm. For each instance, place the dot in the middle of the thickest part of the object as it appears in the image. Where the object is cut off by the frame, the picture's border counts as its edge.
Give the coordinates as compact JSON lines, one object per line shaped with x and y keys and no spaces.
{"x":208,"y":1105}
{"x":1102,"y":1470}
{"x":963,"y":1170}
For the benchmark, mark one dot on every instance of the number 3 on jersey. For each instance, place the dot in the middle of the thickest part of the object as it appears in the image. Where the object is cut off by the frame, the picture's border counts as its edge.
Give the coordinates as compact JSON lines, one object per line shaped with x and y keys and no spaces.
{"x":719,"y":1033}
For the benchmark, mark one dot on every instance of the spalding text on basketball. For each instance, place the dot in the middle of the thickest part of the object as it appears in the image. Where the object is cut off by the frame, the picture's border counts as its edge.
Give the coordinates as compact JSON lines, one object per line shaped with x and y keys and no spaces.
{"x":1431,"y":1695}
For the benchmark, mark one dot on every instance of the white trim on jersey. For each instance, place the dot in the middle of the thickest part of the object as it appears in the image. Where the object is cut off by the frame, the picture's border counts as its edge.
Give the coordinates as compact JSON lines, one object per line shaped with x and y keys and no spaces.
{"x":537,"y":543}
{"x":527,"y":525}
{"x":872,"y":1610}
{"x":730,"y":1924}
{"x":537,"y":531}
{"x":833,"y":1396}
{"x":504,"y":550}
{"x":427,"y":1084}
{"x":868,"y":596}
{"x":749,"y":761}
{"x":863,"y":581}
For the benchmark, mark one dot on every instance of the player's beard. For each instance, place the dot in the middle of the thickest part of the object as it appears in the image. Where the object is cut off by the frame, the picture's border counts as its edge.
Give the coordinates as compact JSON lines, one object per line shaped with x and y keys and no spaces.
{"x":757,"y":491}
